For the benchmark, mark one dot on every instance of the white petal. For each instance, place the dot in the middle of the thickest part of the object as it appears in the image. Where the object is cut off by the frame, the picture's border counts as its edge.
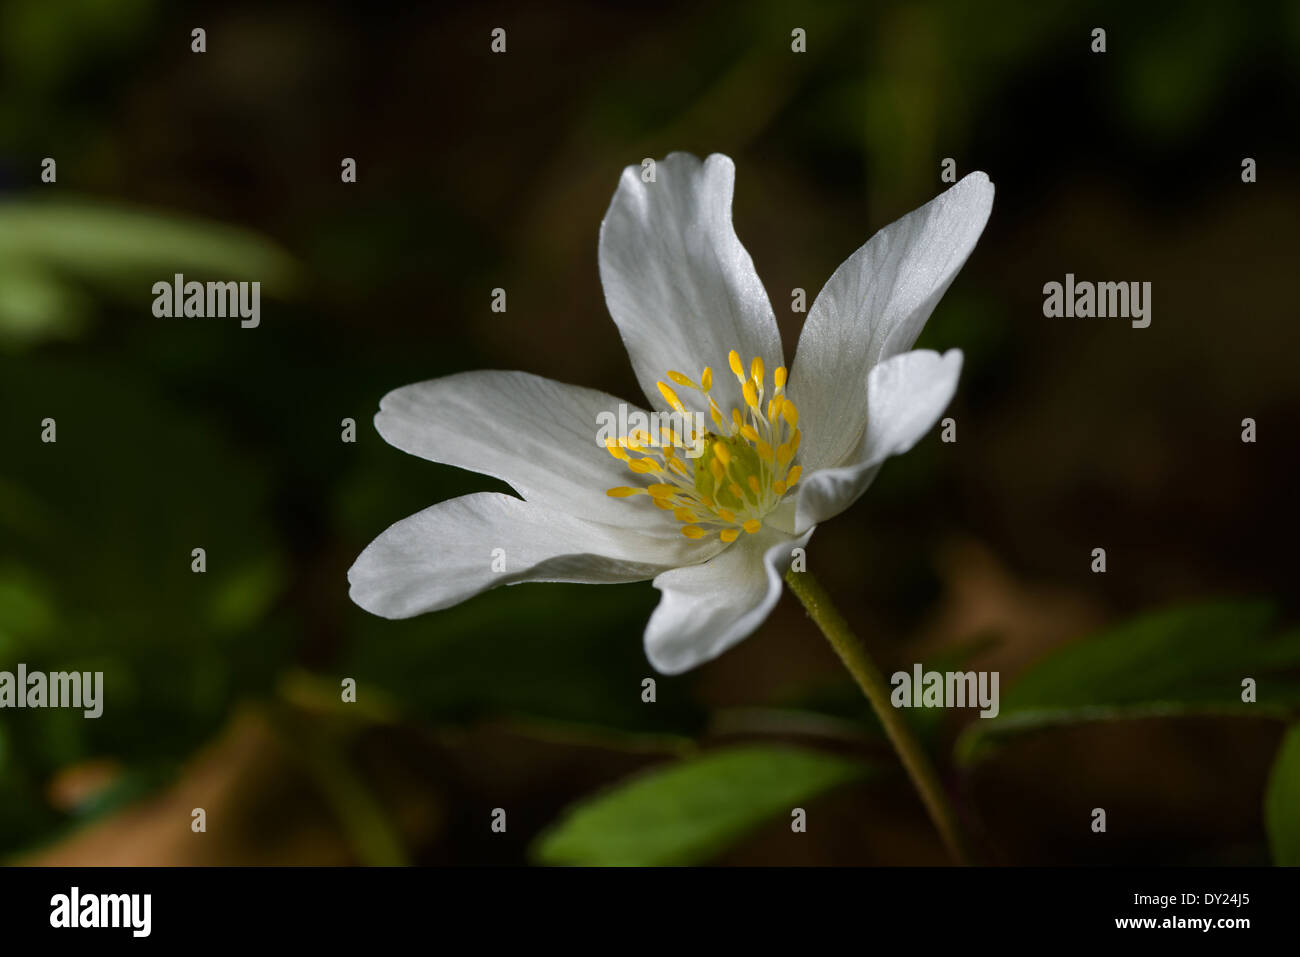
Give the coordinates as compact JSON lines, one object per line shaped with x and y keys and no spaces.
{"x":705,"y":609}
{"x":905,"y":397}
{"x":679,"y":285}
{"x":445,"y":554}
{"x":534,"y":433}
{"x":874,"y":307}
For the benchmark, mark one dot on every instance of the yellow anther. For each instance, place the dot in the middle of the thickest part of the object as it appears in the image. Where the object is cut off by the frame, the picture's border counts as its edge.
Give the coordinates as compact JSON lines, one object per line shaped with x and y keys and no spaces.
{"x":659,"y":489}
{"x":724,"y":456}
{"x":763,"y":449}
{"x":795,"y":440}
{"x":753,"y":525}
{"x":790,"y":413}
{"x":623,"y":491}
{"x":784,"y":453}
{"x":726,"y":515}
{"x":692,"y":531}
{"x":671,"y":397}
{"x":733,"y":360}
{"x":792,"y":476}
{"x":750,"y":394}
{"x":754,"y":485}
{"x":736,"y":420}
{"x":749,"y":432}
{"x":734,"y":489}
{"x":729,"y":535}
{"x":716,"y":468}
{"x":663,"y":503}
{"x":642,"y":466}
{"x":756,"y":370}
{"x":779,"y":377}
{"x":683,"y":515}
{"x":679,"y":467}
{"x":706,"y":379}
{"x":715,"y":413}
{"x":616,"y":450}
{"x":681,"y":380}
{"x":778,"y":488}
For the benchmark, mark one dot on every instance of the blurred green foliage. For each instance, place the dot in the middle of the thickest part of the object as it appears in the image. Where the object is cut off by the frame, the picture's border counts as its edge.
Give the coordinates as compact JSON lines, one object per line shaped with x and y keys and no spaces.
{"x":175,"y":435}
{"x":52,"y":251}
{"x":1282,"y":799}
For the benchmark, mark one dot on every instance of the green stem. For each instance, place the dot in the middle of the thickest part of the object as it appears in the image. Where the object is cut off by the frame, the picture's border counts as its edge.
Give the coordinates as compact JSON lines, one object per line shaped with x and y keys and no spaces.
{"x":864,"y":671}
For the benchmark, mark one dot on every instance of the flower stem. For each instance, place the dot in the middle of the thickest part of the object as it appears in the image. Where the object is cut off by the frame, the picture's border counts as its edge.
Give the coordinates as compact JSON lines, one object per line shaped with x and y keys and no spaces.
{"x":865,"y":672}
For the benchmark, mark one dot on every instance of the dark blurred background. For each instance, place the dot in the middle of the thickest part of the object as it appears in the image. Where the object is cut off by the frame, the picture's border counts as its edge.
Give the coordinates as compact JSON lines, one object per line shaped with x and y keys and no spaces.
{"x":478,"y":170}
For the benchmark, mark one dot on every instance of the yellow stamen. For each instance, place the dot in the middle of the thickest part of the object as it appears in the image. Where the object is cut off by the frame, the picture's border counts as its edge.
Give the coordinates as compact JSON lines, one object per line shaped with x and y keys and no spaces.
{"x":737,"y":475}
{"x":671,"y":397}
{"x":733,"y":360}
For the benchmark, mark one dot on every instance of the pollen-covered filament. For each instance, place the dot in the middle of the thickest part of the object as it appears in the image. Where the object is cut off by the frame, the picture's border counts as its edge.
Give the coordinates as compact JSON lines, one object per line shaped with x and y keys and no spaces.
{"x":745,"y":468}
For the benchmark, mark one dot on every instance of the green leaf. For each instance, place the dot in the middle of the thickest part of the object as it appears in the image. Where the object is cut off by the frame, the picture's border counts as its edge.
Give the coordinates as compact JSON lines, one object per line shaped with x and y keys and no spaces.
{"x":689,"y":811}
{"x":34,"y":305}
{"x":1282,"y":801}
{"x":1185,"y":660}
{"x":117,"y":244}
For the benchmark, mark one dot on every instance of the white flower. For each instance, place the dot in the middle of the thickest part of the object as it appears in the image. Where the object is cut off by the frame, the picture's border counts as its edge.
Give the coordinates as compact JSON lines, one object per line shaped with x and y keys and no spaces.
{"x":715,"y":533}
